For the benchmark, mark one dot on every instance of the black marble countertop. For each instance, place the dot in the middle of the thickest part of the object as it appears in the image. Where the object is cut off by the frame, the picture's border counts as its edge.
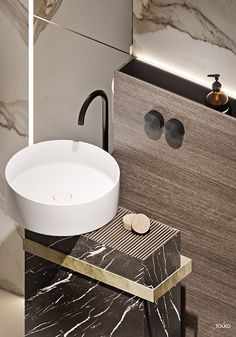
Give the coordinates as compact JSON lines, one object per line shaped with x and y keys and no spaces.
{"x":62,"y":302}
{"x":147,"y":259}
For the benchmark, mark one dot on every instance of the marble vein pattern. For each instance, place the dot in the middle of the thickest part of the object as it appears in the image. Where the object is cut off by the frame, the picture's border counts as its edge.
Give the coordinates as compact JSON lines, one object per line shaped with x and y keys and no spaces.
{"x":191,"y":38}
{"x":2,"y":194}
{"x":199,"y":19}
{"x":17,"y":13}
{"x":60,"y":302}
{"x":13,"y":116}
{"x":13,"y":130}
{"x":45,"y":9}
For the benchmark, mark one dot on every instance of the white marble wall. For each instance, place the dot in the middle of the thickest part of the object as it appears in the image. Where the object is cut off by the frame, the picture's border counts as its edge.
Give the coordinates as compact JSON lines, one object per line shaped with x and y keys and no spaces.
{"x":191,"y":37}
{"x":13,"y":129}
{"x":68,"y":66}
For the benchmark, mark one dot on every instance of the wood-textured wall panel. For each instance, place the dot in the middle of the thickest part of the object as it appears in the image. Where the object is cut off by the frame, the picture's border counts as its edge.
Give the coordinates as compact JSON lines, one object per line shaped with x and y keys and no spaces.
{"x":192,"y":188}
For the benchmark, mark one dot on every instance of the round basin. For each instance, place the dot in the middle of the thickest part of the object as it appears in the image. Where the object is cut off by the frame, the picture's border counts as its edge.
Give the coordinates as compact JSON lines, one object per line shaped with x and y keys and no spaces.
{"x":62,"y":187}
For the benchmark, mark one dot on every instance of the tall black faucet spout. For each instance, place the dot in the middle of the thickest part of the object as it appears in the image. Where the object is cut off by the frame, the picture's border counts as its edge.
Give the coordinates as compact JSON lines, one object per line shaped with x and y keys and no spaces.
{"x":105,"y":117}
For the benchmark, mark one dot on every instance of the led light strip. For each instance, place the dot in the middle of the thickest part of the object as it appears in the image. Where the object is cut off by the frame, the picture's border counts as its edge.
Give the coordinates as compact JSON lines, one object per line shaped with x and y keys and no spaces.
{"x":178,"y":72}
{"x":81,"y":34}
{"x":31,"y":72}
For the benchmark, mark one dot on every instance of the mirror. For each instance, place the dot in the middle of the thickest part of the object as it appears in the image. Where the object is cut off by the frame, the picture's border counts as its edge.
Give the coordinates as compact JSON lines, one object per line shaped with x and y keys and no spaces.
{"x":76,"y":52}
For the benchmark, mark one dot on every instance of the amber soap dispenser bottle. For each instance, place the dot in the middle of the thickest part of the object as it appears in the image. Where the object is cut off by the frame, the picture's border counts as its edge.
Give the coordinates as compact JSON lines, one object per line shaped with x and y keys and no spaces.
{"x":216,"y":99}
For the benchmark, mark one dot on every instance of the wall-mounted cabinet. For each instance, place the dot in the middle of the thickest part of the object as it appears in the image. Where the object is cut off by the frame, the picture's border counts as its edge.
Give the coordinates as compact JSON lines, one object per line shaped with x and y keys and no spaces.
{"x":191,"y":187}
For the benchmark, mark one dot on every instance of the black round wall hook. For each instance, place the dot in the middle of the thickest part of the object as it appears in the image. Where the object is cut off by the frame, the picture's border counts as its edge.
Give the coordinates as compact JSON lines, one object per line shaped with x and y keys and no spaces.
{"x":153,"y":124}
{"x":174,"y":133}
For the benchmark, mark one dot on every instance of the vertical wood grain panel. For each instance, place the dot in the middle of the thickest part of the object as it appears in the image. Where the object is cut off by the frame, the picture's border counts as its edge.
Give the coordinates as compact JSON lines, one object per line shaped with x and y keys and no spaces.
{"x":192,"y":188}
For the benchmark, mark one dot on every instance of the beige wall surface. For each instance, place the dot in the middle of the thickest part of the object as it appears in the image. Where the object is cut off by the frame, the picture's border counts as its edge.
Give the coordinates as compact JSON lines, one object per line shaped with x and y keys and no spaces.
{"x":13,"y":131}
{"x":68,"y":66}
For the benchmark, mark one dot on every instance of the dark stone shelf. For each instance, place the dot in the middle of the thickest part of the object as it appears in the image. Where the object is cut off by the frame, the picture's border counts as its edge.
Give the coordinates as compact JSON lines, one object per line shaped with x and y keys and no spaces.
{"x":63,"y":302}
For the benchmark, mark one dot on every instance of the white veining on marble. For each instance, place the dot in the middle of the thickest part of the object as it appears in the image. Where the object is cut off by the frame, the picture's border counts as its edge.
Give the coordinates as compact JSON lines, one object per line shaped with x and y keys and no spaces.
{"x":166,"y":311}
{"x":13,"y":130}
{"x":177,"y":248}
{"x":87,"y":305}
{"x":13,"y":116}
{"x":36,"y":329}
{"x":154,"y":267}
{"x":38,"y":326}
{"x":191,"y":38}
{"x":89,"y":290}
{"x":130,"y":307}
{"x":108,"y":265}
{"x":49,"y":6}
{"x":18,"y":15}
{"x":79,"y":324}
{"x":45,"y":9}
{"x":2,"y":193}
{"x":59,"y":299}
{"x":61,"y":334}
{"x":149,"y":275}
{"x":89,"y":301}
{"x":191,"y":17}
{"x":48,"y":308}
{"x":51,"y":287}
{"x":60,"y":240}
{"x":105,"y":255}
{"x":164,"y":258}
{"x":97,"y":251}
{"x":91,"y":326}
{"x":94,"y":326}
{"x":162,"y":322}
{"x":139,"y":7}
{"x":110,"y":304}
{"x":176,"y":310}
{"x":139,"y":276}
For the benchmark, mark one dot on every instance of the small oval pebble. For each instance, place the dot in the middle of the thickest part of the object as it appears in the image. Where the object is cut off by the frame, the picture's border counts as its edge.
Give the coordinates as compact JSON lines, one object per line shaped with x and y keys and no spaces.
{"x":127,"y":221}
{"x":140,"y":223}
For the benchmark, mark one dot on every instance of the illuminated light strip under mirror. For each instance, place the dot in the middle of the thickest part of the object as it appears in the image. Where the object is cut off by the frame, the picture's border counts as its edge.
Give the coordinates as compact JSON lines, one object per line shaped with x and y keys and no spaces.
{"x":31,"y":73}
{"x":175,"y":71}
{"x":170,"y":82}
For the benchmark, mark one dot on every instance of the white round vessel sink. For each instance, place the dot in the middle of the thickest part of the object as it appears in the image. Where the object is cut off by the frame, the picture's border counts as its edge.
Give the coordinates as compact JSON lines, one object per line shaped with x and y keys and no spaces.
{"x":62,"y":187}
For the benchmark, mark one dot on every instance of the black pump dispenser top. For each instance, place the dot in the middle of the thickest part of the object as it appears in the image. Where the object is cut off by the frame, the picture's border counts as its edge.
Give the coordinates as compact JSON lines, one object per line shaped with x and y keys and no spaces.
{"x":216,"y":86}
{"x":216,"y":99}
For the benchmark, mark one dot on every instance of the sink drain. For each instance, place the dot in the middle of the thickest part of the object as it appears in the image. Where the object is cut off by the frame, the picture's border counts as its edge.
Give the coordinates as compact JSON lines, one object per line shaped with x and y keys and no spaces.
{"x":62,"y":196}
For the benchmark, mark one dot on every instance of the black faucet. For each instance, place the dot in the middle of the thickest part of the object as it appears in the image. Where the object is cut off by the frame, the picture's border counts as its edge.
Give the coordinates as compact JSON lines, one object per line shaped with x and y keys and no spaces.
{"x":105,"y":119}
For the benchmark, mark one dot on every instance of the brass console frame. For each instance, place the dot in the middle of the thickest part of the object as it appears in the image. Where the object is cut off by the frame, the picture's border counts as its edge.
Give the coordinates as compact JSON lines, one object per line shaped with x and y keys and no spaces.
{"x":107,"y":277}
